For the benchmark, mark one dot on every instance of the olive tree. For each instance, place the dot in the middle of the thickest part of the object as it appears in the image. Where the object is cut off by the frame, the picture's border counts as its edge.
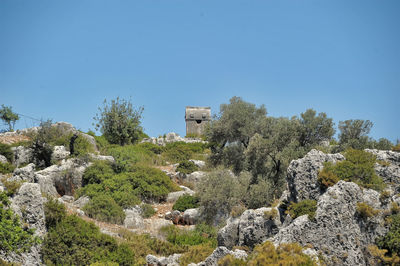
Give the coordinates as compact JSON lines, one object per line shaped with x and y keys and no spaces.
{"x":119,"y":121}
{"x":8,"y":116}
{"x":354,"y":133}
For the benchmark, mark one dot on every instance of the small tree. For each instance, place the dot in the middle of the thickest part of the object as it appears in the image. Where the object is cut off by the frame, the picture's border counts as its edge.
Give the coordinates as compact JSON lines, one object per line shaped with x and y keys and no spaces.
{"x":354,"y":133}
{"x":8,"y":116}
{"x":119,"y":122}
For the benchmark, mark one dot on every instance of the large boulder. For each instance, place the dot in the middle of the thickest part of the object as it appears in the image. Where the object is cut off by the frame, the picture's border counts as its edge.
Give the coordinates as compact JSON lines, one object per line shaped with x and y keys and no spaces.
{"x":26,"y":173}
{"x":28,"y":203}
{"x":63,"y":179}
{"x":59,"y":153}
{"x":338,"y":231}
{"x":3,"y":159}
{"x":302,"y":174}
{"x":388,"y":167}
{"x":251,"y":228}
{"x":133,"y":218}
{"x":174,"y":196}
{"x":195,"y":177}
{"x":22,"y":155}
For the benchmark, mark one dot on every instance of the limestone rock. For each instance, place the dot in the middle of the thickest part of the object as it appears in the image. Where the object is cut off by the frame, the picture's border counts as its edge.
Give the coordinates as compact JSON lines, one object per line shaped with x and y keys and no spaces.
{"x":195,"y":177}
{"x":26,"y":173}
{"x":251,"y":228}
{"x":200,"y":164}
{"x":302,"y":174}
{"x":62,"y":179}
{"x":133,"y":218}
{"x":59,"y":153}
{"x":218,"y":254}
{"x":102,"y":157}
{"x":337,"y":230}
{"x":3,"y":159}
{"x":172,"y":260}
{"x":82,"y":201}
{"x":174,"y":196}
{"x":191,"y":216}
{"x":388,"y":167}
{"x":22,"y":155}
{"x":68,"y":199}
{"x":28,"y":203}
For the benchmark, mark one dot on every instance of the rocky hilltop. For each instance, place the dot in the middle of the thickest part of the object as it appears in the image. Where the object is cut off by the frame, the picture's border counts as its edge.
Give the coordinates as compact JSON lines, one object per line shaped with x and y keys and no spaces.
{"x":339,"y":232}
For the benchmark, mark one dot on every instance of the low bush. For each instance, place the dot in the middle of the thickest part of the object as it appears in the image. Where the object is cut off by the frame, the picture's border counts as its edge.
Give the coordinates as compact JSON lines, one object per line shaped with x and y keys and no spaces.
{"x":74,"y":241}
{"x":186,"y":202}
{"x":147,"y":210}
{"x":80,"y":145}
{"x":104,"y":208}
{"x":12,"y":187}
{"x":284,"y":254}
{"x":270,"y":215}
{"x":97,"y":173}
{"x":219,"y":192}
{"x":238,"y":210}
{"x":54,"y":213}
{"x":129,"y":188}
{"x":396,"y":148}
{"x":365,"y":211}
{"x":6,"y":151}
{"x":201,"y":234}
{"x":230,"y":260}
{"x":180,"y":151}
{"x":144,"y":244}
{"x":13,"y":236}
{"x":358,"y":168}
{"x":380,"y":256}
{"x":391,"y":241}
{"x":196,"y":254}
{"x":6,"y":168}
{"x":301,"y":208}
{"x":187,"y":167}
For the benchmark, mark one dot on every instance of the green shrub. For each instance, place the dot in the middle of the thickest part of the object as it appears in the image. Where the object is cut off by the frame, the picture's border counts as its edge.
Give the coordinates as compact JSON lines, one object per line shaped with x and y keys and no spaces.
{"x":97,"y":173}
{"x":380,"y":256}
{"x":187,"y":167}
{"x":303,"y":207}
{"x":6,"y":151}
{"x":365,"y":211}
{"x":201,"y":234}
{"x":144,"y":244}
{"x":238,"y":210}
{"x":13,"y":236}
{"x":396,"y":148}
{"x":81,"y":146}
{"x":391,"y":241}
{"x":185,"y":202}
{"x":154,"y":148}
{"x":76,"y":242}
{"x":180,"y":151}
{"x":104,"y":208}
{"x":358,"y":168}
{"x":11,"y":186}
{"x":147,"y":210}
{"x":272,"y":214}
{"x":219,"y":191}
{"x":230,"y":260}
{"x":54,"y":213}
{"x":127,"y":188}
{"x":6,"y":168}
{"x":196,"y":254}
{"x":284,"y":254}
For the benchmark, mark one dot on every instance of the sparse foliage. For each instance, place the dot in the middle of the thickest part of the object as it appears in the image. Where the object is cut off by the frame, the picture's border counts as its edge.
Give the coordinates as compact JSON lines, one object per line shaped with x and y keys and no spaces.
{"x":8,"y":116}
{"x":119,"y":121}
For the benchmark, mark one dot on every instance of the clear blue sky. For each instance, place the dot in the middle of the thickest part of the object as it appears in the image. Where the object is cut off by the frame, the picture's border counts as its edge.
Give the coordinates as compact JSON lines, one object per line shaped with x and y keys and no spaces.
{"x":61,"y":59}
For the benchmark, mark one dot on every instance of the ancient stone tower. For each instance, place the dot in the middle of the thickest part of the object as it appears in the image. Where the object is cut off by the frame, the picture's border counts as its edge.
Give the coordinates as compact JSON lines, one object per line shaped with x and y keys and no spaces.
{"x":196,"y":119}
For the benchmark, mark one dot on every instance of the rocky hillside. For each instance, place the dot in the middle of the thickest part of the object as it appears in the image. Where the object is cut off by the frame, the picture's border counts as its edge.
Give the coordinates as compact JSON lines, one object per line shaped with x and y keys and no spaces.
{"x":147,"y":196}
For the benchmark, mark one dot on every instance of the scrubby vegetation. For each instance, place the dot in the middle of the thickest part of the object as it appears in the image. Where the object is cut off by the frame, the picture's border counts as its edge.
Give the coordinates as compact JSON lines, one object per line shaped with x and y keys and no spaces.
{"x":72,"y":241}
{"x":104,"y":208}
{"x":391,"y":241}
{"x":14,"y":237}
{"x":303,"y":207}
{"x":365,"y":211}
{"x":6,"y":151}
{"x":186,"y":202}
{"x":147,"y":210}
{"x":358,"y":168}
{"x":186,"y":167}
{"x":6,"y":168}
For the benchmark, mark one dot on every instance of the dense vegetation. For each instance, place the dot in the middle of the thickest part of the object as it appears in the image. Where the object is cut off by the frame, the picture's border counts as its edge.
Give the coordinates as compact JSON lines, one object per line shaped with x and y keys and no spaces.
{"x":358,"y":168}
{"x":72,"y":241}
{"x":186,"y":202}
{"x":14,"y":237}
